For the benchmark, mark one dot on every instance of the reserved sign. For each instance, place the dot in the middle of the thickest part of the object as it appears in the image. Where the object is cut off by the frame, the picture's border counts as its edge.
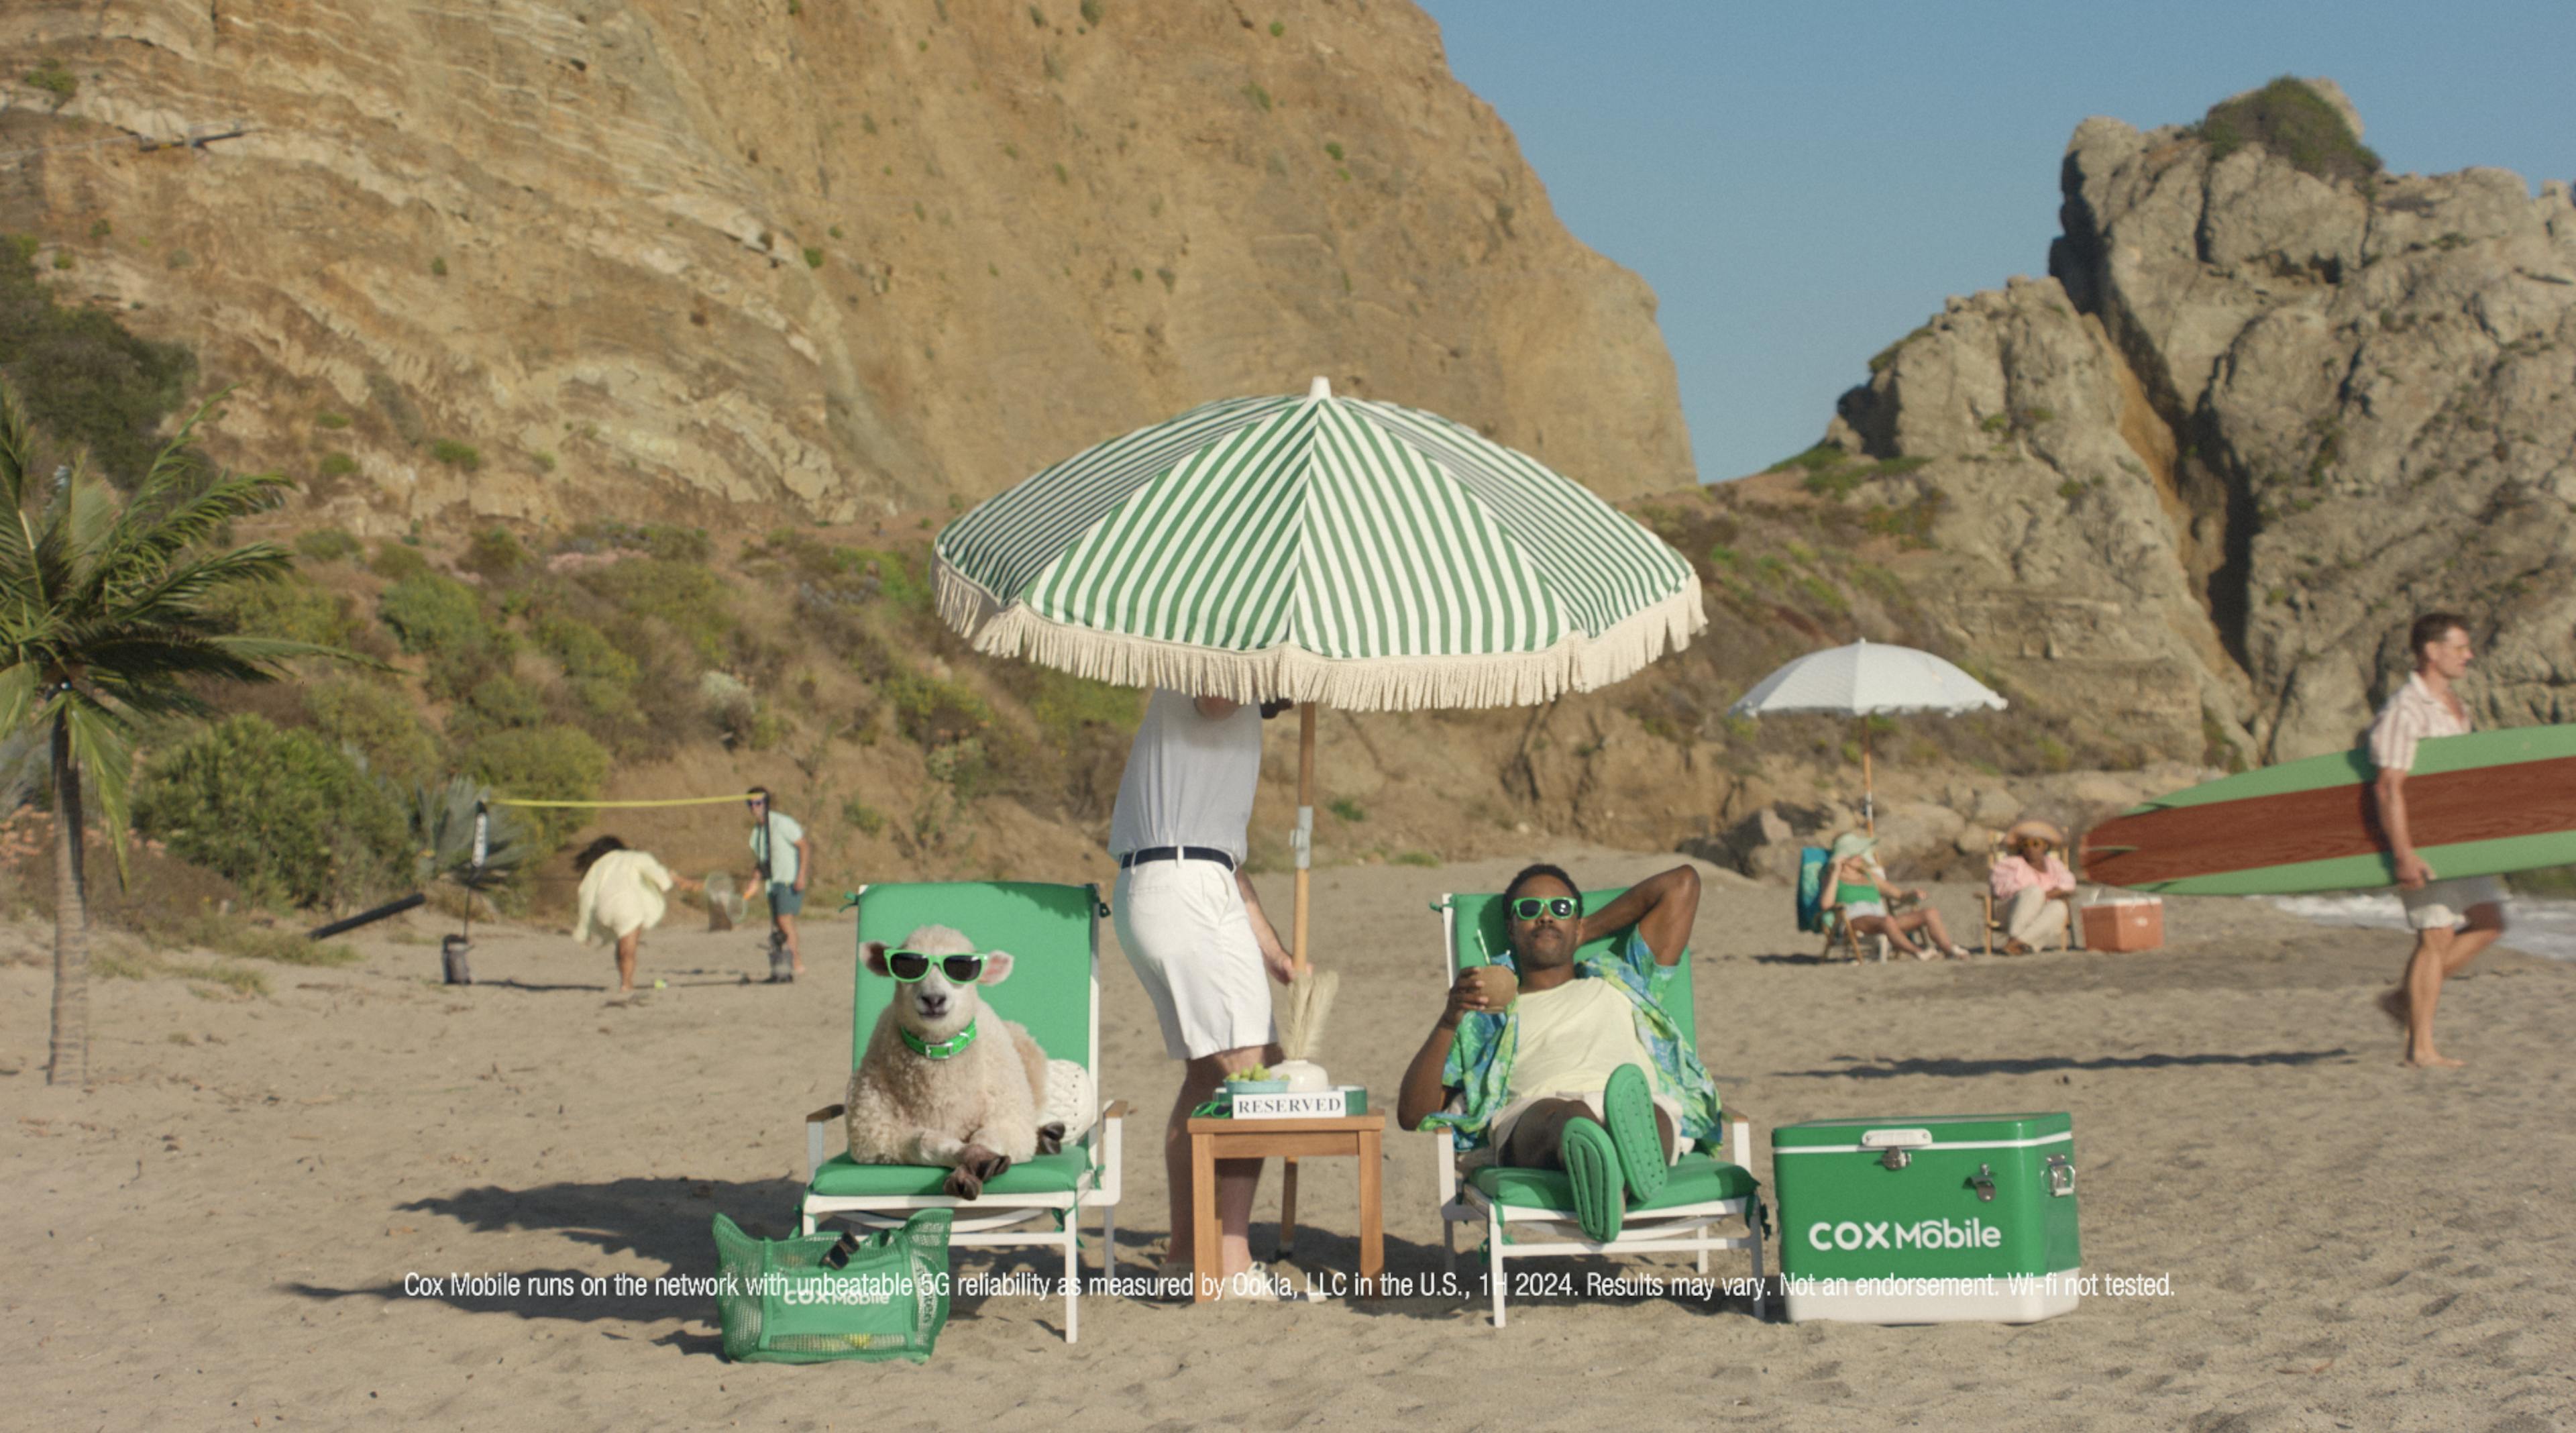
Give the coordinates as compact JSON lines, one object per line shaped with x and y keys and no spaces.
{"x":1310,"y":1105}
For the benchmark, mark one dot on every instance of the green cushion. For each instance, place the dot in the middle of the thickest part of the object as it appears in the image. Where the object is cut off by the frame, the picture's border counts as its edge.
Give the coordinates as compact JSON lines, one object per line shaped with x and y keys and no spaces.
{"x":841,"y":1177}
{"x":1698,"y":1179}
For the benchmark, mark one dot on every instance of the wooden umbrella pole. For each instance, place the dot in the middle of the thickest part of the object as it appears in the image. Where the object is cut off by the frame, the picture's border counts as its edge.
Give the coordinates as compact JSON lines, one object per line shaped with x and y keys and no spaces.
{"x":1868,"y":782}
{"x":1305,"y":838}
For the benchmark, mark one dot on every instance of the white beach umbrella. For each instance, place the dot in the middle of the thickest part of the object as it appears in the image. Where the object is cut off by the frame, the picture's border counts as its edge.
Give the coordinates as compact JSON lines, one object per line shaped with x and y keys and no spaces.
{"x":1863,"y":680}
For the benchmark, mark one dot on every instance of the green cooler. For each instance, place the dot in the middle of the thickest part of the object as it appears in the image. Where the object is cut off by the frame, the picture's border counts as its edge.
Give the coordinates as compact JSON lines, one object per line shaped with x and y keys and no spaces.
{"x":1927,"y":1218}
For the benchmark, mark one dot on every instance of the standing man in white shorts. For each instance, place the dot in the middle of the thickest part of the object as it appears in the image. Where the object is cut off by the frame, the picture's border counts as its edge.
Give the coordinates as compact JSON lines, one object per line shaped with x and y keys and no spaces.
{"x":2453,"y":919}
{"x":1194,"y":931}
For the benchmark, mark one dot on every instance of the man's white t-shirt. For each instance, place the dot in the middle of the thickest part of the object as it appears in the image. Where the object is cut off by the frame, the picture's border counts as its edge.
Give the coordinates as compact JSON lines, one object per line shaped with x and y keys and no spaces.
{"x":783,"y":832}
{"x":1572,"y":1037}
{"x":1189,"y":780}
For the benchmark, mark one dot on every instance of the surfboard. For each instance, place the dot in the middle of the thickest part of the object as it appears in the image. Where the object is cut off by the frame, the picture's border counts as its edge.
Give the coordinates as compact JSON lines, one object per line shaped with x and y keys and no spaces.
{"x":2485,"y":804}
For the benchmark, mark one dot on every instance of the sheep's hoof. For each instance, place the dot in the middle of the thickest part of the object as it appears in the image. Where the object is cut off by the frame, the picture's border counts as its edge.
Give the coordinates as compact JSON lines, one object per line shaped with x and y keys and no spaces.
{"x":975,"y":1167}
{"x":1051,"y":1138}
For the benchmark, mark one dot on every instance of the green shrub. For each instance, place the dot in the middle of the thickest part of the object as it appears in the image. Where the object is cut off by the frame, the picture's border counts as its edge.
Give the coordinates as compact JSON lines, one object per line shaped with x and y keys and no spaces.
{"x":1066,"y":705}
{"x":552,"y":763}
{"x":50,"y":76}
{"x":1260,"y":97}
{"x":863,"y":573}
{"x":282,"y":813}
{"x":290,"y":608}
{"x":496,"y":552}
{"x":865,"y":819}
{"x":456,"y":455}
{"x":428,"y":612}
{"x":935,"y":713}
{"x":497,"y":703}
{"x":686,"y":596}
{"x":85,"y":381}
{"x":601,"y":679}
{"x":444,"y":618}
{"x":327,"y":544}
{"x":394,"y":562}
{"x":1347,"y":809}
{"x":1091,"y":12}
{"x":813,"y":258}
{"x":379,"y":724}
{"x":328,"y":419}
{"x":2296,"y":123}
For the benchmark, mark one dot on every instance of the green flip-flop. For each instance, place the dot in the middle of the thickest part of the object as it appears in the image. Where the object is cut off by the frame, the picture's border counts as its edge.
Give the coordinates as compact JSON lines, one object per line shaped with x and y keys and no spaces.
{"x":1591,"y":1160}
{"x":1628,"y":1111}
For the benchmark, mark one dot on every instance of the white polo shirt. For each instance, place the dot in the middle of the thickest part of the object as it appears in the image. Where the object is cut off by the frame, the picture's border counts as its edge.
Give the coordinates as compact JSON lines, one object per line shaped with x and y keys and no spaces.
{"x":1189,"y":780}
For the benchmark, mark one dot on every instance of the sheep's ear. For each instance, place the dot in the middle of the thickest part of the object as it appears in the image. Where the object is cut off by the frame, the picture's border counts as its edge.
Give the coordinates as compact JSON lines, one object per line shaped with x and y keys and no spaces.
{"x":997,"y":968}
{"x":872,"y":955}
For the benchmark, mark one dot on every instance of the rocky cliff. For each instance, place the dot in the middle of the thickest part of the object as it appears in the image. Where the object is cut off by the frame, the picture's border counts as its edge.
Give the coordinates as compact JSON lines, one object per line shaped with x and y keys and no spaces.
{"x":787,"y":257}
{"x":2190,"y":487}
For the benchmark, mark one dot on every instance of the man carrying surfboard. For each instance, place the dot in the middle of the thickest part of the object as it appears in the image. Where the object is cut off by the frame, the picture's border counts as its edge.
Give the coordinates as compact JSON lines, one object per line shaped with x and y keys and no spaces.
{"x":2453,"y":919}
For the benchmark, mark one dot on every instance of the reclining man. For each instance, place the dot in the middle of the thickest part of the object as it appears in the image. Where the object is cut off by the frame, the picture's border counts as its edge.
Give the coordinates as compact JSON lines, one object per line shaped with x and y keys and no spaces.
{"x":1573,"y":1066}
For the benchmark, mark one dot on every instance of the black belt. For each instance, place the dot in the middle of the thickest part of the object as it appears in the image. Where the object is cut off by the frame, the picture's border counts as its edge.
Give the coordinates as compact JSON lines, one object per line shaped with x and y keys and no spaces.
{"x":1176,"y":853}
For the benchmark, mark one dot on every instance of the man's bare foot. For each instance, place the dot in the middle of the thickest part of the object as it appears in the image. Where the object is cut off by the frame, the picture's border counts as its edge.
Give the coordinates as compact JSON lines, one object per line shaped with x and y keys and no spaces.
{"x":2014,"y":947}
{"x":2395,"y":1004}
{"x":2431,"y":1061}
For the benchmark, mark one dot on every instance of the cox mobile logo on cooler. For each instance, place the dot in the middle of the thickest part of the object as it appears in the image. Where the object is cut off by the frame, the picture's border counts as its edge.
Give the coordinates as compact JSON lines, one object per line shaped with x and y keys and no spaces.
{"x":1928,"y":1234}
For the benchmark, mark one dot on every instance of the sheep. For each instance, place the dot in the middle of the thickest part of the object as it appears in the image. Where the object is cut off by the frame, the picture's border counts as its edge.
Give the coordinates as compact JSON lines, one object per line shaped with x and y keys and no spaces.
{"x":976,"y":1111}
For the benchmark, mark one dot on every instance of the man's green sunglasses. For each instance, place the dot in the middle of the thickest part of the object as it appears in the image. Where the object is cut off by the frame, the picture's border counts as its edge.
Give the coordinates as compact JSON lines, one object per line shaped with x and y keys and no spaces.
{"x":1528,"y":907}
{"x":911,"y":965}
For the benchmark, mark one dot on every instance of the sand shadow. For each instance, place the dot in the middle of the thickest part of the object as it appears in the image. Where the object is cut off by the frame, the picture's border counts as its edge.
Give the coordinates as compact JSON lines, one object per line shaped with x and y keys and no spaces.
{"x":1853,"y":1067}
{"x":662,"y":1220}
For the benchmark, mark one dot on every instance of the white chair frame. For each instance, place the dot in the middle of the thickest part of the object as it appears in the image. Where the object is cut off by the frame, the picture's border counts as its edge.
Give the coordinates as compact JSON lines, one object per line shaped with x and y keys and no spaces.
{"x":1682,"y":1229}
{"x":1051,"y":1220}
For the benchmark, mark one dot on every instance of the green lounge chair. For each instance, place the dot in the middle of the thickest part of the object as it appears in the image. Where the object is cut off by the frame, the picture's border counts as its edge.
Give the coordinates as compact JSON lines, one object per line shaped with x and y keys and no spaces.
{"x":1054,"y":990}
{"x":1529,"y":1213}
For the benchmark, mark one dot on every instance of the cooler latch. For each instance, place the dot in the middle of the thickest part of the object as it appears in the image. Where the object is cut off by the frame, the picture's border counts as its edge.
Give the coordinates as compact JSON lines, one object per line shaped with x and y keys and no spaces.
{"x":1984,"y":1183}
{"x":2061,"y":1175}
{"x":1896,"y":1146}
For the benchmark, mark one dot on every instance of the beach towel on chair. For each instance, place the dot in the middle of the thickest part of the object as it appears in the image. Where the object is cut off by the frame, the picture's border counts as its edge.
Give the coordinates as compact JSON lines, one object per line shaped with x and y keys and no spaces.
{"x":1813,"y":862}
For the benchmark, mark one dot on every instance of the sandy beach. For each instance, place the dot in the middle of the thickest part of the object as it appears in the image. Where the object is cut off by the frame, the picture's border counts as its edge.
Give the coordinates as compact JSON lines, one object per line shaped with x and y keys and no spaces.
{"x":217,"y":1234}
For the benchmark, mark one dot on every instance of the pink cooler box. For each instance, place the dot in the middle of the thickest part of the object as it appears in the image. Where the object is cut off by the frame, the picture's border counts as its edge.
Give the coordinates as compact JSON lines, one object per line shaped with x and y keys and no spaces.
{"x":2133,"y":923}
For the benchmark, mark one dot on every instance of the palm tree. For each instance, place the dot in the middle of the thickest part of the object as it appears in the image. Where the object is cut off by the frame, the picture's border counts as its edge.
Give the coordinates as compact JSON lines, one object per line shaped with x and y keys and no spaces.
{"x":104,"y":614}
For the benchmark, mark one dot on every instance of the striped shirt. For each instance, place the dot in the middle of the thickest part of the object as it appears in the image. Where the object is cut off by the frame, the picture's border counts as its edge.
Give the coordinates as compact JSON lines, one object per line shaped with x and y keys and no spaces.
{"x":2412,"y":715}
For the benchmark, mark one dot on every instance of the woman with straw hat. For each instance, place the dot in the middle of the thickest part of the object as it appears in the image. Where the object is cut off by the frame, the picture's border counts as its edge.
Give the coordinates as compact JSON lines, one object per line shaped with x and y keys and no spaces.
{"x":1853,"y":886}
{"x":2026,"y":879}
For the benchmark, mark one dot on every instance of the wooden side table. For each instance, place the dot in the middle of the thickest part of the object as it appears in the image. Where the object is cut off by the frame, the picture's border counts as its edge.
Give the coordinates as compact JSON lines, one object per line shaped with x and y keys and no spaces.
{"x":1361,"y":1136}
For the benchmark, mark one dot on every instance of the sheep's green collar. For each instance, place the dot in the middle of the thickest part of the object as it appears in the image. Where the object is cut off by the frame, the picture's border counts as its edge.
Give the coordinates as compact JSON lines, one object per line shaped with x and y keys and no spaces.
{"x":939,"y":1050}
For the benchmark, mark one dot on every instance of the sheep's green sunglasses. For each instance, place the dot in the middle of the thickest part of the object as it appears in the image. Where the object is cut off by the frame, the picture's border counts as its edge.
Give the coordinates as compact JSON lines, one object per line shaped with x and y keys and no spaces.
{"x":1528,"y":907}
{"x":911,"y":965}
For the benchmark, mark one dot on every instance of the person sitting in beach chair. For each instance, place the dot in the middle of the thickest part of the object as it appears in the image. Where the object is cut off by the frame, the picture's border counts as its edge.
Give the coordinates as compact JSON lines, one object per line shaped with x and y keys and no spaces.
{"x":1855,"y":888}
{"x":2030,"y":892}
{"x":1573,"y":1066}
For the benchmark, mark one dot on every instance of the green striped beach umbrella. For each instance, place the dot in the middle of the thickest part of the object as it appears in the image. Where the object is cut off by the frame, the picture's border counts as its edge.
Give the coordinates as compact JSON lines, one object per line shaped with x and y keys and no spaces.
{"x":1331,"y":550}
{"x":1335,"y":551}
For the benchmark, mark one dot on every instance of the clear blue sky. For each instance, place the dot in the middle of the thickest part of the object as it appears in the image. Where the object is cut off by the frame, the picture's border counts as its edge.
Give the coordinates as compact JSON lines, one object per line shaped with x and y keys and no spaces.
{"x":1804,"y":183}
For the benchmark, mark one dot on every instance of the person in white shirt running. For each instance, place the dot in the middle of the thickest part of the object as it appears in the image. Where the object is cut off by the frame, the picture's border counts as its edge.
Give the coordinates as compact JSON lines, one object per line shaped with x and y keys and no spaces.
{"x":1194,"y":930}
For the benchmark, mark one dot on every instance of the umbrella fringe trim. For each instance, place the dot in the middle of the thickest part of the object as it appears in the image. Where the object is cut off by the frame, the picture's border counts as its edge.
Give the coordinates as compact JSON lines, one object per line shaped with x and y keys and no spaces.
{"x":1577,"y":664}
